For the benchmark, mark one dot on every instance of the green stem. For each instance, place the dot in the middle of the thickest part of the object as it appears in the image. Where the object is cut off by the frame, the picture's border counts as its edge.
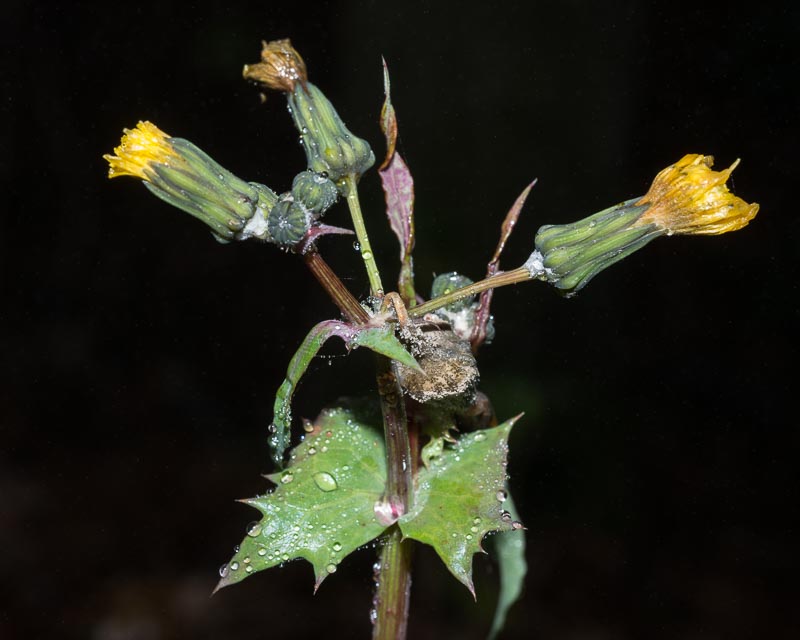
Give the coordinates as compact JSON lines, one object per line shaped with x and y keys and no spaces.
{"x":499,"y":280}
{"x":335,"y":288}
{"x":393,"y":588}
{"x":363,"y":239}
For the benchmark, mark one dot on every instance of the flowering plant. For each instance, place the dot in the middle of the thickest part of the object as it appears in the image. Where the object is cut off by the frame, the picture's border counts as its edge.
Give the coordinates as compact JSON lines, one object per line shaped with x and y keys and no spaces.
{"x":426,"y":461}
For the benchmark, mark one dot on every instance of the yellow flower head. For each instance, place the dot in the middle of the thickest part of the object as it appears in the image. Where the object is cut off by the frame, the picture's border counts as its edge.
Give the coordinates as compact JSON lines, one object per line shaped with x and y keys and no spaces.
{"x":689,"y":198}
{"x":139,"y":148}
{"x":281,"y":67}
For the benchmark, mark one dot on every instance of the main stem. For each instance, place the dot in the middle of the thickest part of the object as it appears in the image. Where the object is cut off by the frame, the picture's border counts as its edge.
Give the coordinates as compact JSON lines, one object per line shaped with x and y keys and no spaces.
{"x":393,"y":588}
{"x":375,"y":284}
{"x":393,"y":571}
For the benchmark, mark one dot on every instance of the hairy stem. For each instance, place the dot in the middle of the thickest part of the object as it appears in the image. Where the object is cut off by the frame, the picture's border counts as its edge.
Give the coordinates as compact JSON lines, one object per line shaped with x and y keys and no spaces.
{"x":335,"y":288}
{"x":500,"y":280}
{"x":393,"y":588}
{"x":363,"y":239}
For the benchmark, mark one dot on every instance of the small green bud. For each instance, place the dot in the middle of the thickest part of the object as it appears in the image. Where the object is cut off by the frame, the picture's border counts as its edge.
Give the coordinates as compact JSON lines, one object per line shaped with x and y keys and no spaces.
{"x":447,"y":283}
{"x":329,"y":145}
{"x":568,"y":256}
{"x":288,"y":222}
{"x":316,"y":191}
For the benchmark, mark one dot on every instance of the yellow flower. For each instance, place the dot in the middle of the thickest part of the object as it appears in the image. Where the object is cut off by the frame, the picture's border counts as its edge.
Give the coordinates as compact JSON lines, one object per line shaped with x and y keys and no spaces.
{"x":689,"y":198}
{"x":280,"y":67}
{"x":140,"y":148}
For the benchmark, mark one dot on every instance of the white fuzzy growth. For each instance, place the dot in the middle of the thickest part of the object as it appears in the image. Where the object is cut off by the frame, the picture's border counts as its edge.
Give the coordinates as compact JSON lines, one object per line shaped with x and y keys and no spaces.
{"x":535,"y":266}
{"x":255,"y":227}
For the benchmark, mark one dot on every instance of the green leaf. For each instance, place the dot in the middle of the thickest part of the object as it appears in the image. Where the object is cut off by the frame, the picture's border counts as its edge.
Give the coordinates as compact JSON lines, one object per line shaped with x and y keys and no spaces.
{"x":510,"y":550}
{"x":459,"y":499}
{"x":379,"y":339}
{"x":322,"y":507}
{"x":382,"y":340}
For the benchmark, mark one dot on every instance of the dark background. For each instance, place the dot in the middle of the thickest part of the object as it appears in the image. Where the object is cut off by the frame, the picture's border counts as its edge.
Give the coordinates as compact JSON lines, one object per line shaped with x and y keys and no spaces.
{"x":656,"y":466}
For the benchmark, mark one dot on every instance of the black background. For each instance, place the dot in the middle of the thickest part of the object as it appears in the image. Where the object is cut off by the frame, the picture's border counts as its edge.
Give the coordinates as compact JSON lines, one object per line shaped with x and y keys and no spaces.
{"x":655,"y":468}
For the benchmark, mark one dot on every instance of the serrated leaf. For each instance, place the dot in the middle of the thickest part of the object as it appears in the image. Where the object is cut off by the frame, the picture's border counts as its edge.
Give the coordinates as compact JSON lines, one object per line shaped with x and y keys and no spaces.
{"x":510,"y":550}
{"x":459,"y":499}
{"x":322,"y":507}
{"x":379,"y":339}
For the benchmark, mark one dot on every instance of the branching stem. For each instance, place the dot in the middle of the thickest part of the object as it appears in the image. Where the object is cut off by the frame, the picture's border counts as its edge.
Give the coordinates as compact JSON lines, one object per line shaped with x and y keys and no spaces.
{"x":500,"y":280}
{"x":335,"y":288}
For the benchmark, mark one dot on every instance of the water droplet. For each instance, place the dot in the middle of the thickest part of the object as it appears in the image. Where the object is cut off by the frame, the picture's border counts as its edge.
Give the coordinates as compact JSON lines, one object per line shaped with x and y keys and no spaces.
{"x":476,"y":521}
{"x":516,"y":525}
{"x":249,"y":569}
{"x":469,"y":536}
{"x":357,"y":246}
{"x":337,"y":546}
{"x":253,"y":529}
{"x":308,"y":427}
{"x":325,"y":481}
{"x":474,"y":529}
{"x":285,"y":557}
{"x":262,"y":552}
{"x":223,"y":570}
{"x":331,"y":568}
{"x":246,"y":559}
{"x":236,"y":548}
{"x":505,"y":516}
{"x":286,"y":477}
{"x":312,"y":451}
{"x":234,"y":566}
{"x":367,"y":255}
{"x":501,"y":496}
{"x":480,"y":436}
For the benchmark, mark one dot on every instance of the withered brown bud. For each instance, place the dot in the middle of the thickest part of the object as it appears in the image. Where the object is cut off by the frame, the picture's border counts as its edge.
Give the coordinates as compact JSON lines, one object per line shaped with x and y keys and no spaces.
{"x":281,"y":67}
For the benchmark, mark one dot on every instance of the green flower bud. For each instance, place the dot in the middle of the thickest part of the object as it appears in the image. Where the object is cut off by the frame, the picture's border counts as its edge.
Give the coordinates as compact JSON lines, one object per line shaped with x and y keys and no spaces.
{"x":330,"y":147}
{"x":288,"y":222}
{"x":447,"y":283}
{"x":570,"y":255}
{"x":316,"y":191}
{"x":179,"y":173}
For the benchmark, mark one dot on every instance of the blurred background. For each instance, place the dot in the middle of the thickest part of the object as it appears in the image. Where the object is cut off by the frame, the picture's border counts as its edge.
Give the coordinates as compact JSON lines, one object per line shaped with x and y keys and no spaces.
{"x":655,"y":467}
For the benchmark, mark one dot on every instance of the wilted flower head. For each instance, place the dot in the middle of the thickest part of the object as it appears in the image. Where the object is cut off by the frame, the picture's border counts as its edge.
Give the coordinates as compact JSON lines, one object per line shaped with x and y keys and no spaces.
{"x":281,"y":67}
{"x":689,"y":198}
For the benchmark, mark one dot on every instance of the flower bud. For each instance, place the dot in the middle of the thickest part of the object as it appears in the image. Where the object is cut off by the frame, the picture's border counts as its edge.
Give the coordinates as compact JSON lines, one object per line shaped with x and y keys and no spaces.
{"x":179,"y":173}
{"x":686,"y":198}
{"x":569,"y":255}
{"x":315,"y":191}
{"x":330,"y":147}
{"x":447,"y":283}
{"x":288,"y":221}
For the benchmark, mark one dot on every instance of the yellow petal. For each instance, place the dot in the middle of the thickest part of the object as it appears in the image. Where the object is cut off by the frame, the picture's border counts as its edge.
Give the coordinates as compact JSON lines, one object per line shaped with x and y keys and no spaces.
{"x":689,"y":198}
{"x":139,"y":148}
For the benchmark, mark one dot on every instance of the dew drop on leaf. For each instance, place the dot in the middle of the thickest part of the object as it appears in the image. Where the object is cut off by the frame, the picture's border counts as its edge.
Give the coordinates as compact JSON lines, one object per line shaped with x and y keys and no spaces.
{"x":286,"y":477}
{"x":331,"y":568}
{"x":501,"y":496}
{"x":325,"y":481}
{"x":253,"y":529}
